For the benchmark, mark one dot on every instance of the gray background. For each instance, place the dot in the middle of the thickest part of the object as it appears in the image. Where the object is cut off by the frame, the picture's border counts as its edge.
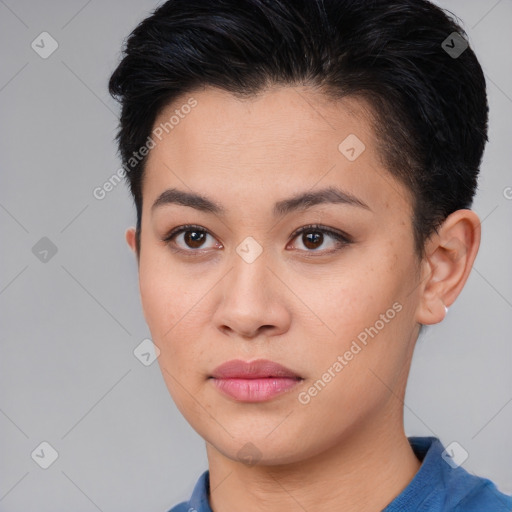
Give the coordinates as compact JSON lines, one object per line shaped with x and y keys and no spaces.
{"x":68,"y":375}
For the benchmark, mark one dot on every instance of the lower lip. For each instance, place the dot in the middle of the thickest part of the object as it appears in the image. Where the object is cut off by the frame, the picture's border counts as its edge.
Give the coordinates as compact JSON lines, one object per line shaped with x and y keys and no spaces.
{"x":255,"y":390}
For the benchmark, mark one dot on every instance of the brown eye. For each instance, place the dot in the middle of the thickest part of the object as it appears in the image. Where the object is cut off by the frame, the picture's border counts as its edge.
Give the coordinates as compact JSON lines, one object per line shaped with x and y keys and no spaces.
{"x":313,"y":238}
{"x":189,"y":239}
{"x":194,"y":239}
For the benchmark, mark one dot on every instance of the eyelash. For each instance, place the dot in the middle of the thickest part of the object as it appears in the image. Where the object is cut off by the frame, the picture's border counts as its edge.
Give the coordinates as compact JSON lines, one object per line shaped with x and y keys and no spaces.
{"x":342,"y":238}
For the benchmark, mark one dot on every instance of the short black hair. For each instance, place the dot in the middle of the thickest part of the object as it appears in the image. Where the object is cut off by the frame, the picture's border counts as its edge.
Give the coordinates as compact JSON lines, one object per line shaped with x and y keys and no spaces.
{"x":408,"y":58}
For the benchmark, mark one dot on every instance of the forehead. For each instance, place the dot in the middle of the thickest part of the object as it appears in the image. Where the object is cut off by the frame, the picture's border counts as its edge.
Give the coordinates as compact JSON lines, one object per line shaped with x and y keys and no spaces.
{"x":278,"y":119}
{"x":285,"y":139}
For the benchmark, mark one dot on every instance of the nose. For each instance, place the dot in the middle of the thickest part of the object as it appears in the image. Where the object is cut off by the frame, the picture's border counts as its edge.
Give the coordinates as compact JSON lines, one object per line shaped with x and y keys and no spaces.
{"x":253,"y":301}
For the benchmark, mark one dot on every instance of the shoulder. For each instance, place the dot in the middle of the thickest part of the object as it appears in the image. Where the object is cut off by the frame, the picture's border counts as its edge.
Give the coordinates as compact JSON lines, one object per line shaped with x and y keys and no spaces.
{"x":443,"y":485}
{"x":467,"y":492}
{"x":483,"y":495}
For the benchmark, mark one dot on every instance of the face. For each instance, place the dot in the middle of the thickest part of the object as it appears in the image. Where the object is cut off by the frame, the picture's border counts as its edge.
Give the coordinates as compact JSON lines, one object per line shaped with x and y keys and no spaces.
{"x":324,"y":286}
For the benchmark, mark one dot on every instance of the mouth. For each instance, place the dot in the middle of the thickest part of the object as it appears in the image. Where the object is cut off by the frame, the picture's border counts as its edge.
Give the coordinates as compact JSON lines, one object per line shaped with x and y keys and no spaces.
{"x":254,"y":381}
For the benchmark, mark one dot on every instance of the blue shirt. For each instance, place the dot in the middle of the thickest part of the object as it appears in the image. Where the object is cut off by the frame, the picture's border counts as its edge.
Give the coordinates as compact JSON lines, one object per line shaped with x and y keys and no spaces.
{"x":436,"y":487}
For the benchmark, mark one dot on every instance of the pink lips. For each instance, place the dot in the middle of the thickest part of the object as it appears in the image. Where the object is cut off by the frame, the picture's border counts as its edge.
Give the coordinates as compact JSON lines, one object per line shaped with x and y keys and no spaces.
{"x":254,"y":381}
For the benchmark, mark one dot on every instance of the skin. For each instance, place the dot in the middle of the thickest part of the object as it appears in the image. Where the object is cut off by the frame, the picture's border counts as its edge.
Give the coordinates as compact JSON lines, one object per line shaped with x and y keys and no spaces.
{"x":347,"y":445}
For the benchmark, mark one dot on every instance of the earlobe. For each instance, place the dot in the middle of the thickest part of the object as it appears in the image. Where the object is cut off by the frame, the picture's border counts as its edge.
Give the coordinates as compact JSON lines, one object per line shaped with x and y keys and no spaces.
{"x":450,"y":254}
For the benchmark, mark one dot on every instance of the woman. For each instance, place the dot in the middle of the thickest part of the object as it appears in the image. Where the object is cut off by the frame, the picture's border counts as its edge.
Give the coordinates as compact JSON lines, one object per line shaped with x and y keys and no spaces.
{"x":303,"y":173}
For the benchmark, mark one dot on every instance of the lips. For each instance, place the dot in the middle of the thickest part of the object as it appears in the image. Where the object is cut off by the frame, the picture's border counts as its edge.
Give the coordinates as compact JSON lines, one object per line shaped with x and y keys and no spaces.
{"x":255,"y":381}
{"x":259,"y":369}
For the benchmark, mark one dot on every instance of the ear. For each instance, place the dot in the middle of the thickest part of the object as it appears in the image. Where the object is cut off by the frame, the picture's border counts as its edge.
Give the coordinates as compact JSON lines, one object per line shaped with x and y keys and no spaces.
{"x":449,"y":257}
{"x":131,"y":241}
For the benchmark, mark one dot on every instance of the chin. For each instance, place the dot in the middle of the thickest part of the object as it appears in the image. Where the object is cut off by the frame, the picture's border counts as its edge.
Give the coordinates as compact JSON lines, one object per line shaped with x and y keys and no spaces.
{"x":259,"y":446}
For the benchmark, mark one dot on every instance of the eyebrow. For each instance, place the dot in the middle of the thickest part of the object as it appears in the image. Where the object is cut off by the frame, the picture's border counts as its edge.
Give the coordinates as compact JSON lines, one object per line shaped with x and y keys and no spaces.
{"x":281,"y":208}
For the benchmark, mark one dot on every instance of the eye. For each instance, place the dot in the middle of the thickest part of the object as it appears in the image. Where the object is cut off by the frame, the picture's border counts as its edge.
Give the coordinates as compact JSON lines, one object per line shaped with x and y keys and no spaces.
{"x":313,"y":237}
{"x":189,"y":238}
{"x":192,"y":238}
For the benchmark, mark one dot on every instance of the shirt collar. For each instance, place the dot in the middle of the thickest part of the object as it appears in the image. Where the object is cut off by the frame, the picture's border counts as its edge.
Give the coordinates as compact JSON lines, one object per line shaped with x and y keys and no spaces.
{"x":199,"y":499}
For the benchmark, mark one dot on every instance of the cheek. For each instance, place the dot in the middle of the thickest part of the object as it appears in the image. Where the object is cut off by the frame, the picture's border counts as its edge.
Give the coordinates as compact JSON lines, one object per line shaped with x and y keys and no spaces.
{"x":163,"y":291}
{"x":173,"y":315}
{"x":366,"y":309}
{"x":352,"y":297}
{"x":354,"y":371}
{"x":174,"y":312}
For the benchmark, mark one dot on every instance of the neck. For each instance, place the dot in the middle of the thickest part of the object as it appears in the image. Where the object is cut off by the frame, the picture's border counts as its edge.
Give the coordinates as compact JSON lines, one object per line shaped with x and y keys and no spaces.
{"x":364,"y":472}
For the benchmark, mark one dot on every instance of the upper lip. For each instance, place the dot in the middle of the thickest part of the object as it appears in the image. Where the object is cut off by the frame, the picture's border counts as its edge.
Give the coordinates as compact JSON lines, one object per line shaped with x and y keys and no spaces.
{"x":260,"y":368}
